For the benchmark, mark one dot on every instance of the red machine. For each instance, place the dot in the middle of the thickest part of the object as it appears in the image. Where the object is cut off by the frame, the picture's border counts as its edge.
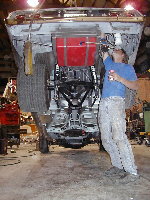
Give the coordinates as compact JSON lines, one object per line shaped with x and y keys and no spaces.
{"x":9,"y":114}
{"x":9,"y":117}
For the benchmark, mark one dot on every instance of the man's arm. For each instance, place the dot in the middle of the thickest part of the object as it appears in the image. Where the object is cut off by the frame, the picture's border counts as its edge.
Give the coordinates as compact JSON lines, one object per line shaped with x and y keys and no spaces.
{"x":104,"y":54}
{"x":130,"y":84}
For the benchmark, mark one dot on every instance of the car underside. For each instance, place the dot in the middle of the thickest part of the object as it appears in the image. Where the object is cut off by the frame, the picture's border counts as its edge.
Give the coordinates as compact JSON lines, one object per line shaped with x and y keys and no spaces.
{"x":60,"y":69}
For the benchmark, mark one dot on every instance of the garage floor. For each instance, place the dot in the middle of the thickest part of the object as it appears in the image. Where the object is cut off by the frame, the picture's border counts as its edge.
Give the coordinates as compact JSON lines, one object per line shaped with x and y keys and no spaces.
{"x":68,"y":174}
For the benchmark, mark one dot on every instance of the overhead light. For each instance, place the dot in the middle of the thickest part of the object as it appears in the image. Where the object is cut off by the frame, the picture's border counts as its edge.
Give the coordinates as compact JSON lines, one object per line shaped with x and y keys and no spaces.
{"x":129,"y":7}
{"x":33,"y":3}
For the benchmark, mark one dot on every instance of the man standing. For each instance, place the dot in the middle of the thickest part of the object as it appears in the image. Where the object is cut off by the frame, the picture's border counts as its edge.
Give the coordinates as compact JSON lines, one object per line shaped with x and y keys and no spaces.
{"x":118,"y":76}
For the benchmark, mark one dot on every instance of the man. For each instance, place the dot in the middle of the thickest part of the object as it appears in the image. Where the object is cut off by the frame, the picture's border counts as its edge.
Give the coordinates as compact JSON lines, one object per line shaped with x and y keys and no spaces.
{"x":118,"y":76}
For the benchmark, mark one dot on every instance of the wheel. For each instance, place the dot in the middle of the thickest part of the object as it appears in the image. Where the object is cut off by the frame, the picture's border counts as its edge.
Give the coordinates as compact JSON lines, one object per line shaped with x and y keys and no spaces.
{"x":100,"y":145}
{"x":32,"y":90}
{"x":130,"y":98}
{"x":140,"y":141}
{"x":147,"y":143}
{"x":43,"y":145}
{"x":43,"y":142}
{"x":47,"y":59}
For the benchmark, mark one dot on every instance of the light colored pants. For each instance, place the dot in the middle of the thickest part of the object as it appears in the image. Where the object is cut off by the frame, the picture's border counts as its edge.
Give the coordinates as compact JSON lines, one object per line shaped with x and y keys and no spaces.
{"x":113,"y":127}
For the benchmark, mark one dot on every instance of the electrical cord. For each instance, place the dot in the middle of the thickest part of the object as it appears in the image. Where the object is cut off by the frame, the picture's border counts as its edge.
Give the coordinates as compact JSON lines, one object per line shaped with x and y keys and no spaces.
{"x":10,"y":159}
{"x":15,"y":159}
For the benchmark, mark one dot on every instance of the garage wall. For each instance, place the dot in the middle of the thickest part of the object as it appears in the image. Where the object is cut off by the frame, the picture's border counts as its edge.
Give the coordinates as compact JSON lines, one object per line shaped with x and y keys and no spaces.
{"x":144,"y":89}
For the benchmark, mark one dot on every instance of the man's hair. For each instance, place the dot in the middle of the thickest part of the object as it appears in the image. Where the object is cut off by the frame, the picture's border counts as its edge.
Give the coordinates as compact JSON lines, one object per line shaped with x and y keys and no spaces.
{"x":125,"y":58}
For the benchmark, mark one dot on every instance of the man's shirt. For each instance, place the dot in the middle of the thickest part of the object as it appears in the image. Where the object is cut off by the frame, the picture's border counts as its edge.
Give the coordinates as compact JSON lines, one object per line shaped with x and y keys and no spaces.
{"x":115,"y":88}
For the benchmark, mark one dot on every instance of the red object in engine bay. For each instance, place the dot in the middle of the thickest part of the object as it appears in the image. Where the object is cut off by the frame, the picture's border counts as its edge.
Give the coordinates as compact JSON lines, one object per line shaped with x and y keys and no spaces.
{"x":76,"y":51}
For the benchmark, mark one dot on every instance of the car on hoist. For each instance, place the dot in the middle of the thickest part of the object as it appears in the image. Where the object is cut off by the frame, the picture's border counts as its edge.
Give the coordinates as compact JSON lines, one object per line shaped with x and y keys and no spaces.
{"x":58,"y":54}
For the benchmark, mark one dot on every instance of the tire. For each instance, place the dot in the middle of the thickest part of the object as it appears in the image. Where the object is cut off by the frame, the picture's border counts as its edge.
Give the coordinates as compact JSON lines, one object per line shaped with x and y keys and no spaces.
{"x":43,"y":145}
{"x":47,"y":59}
{"x":100,"y":145}
{"x":32,"y":91}
{"x":130,"y":98}
{"x":147,"y":143}
{"x":43,"y":142}
{"x":140,"y":141}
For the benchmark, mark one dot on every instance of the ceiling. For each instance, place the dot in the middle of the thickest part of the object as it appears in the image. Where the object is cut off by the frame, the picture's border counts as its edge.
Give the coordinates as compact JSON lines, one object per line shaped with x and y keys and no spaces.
{"x":7,"y":64}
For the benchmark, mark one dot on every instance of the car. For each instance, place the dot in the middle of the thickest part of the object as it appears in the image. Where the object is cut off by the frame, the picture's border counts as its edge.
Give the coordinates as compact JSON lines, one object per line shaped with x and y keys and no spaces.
{"x":60,"y":69}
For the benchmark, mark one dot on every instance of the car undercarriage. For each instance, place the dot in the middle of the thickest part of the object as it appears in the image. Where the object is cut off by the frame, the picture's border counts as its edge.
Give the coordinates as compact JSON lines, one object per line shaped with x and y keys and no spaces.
{"x":60,"y":69}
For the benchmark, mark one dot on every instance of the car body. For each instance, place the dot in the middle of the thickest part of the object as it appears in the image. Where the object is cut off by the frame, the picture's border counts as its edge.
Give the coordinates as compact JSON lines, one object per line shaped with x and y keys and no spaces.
{"x":58,"y":54}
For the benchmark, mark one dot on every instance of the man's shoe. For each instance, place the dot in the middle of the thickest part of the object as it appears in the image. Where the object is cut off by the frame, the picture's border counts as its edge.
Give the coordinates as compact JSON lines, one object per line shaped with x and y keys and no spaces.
{"x":127,"y":178}
{"x":114,"y":171}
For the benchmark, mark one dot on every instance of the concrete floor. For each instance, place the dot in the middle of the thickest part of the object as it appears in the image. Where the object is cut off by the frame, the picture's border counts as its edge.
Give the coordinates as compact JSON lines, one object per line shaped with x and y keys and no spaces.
{"x":67,"y":174}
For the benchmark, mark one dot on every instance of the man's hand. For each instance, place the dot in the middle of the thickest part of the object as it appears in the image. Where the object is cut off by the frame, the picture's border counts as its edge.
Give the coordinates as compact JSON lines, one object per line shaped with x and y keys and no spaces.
{"x":130,"y":84}
{"x":104,"y":47}
{"x":115,"y":76}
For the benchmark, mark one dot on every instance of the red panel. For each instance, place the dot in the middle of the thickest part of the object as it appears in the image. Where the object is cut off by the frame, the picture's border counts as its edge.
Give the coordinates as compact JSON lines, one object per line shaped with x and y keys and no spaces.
{"x":60,"y":51}
{"x":75,"y":51}
{"x":9,"y":114}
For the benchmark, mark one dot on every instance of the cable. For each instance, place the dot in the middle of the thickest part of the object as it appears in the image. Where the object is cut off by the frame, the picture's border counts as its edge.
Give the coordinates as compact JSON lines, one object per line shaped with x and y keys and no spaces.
{"x":12,"y":159}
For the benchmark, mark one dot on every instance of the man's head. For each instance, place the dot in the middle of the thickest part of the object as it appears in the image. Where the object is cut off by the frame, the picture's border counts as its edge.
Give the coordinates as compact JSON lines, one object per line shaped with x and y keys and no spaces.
{"x":119,"y":55}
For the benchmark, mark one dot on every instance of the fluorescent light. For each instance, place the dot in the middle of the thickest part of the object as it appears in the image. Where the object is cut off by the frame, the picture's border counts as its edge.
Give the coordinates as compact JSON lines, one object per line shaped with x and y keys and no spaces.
{"x":33,"y":3}
{"x":129,"y":7}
